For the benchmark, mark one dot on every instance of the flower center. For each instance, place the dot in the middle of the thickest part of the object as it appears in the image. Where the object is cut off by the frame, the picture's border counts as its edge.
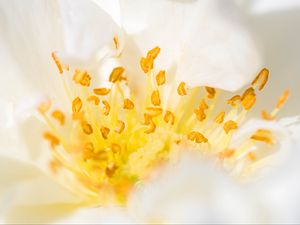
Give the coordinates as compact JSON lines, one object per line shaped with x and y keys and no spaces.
{"x":108,"y":141}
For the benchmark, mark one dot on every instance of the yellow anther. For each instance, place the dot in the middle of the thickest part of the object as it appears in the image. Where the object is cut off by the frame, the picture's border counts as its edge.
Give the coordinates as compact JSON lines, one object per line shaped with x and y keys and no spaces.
{"x":44,"y":106}
{"x":263,"y":135}
{"x":169,"y":117}
{"x":55,"y":165}
{"x":181,"y":89}
{"x":161,"y":77}
{"x":146,"y":64}
{"x":116,"y":74}
{"x":94,"y":99}
{"x":197,"y":137}
{"x":76,"y":105}
{"x":128,"y":104}
{"x":262,"y":78}
{"x":220,"y":117}
{"x":203,"y":105}
{"x":116,"y":42}
{"x":86,"y":128}
{"x":155,"y":99}
{"x":232,"y":101}
{"x":110,"y":170}
{"x":248,"y":101}
{"x":120,"y":126}
{"x":153,"y":53}
{"x":147,"y":119}
{"x":53,"y":140}
{"x":266,"y":116}
{"x":229,"y":126}
{"x":57,"y":114}
{"x":153,"y":112}
{"x":227,"y":153}
{"x":115,"y":148}
{"x":79,"y":116}
{"x":106,"y":107}
{"x":82,"y":77}
{"x":101,"y":91}
{"x":249,"y":91}
{"x":105,"y":132}
{"x":57,"y":62}
{"x":152,"y":127}
{"x":282,"y":99}
{"x":210,"y":91}
{"x":200,"y":114}
{"x":251,"y":156}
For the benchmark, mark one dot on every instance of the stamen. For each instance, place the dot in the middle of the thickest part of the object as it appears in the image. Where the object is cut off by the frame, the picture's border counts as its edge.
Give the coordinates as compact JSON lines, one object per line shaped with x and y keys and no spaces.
{"x":152,"y":127}
{"x":263,"y":135}
{"x":220,"y":117}
{"x":248,"y":101}
{"x":87,"y":128}
{"x":116,"y":74}
{"x":203,"y":105}
{"x":227,"y":153}
{"x":76,"y":105}
{"x":101,"y":91}
{"x":82,"y":77}
{"x":181,"y":89}
{"x":155,"y":99}
{"x":262,"y":78}
{"x":128,"y":104}
{"x":59,"y":116}
{"x":44,"y":106}
{"x":229,"y":126}
{"x":200,"y":114}
{"x":106,"y":107}
{"x":169,"y":117}
{"x":53,"y":140}
{"x":153,"y":112}
{"x":105,"y":132}
{"x":161,"y":78}
{"x":120,"y":126}
{"x":211,"y":92}
{"x":94,"y":99}
{"x":197,"y":137}
{"x":232,"y":101}
{"x":116,"y":42}
{"x":282,"y":99}
{"x":57,"y":62}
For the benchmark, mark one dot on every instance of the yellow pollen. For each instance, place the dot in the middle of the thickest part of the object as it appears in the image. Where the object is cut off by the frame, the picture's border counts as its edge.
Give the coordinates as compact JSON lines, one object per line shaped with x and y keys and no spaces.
{"x":251,"y":156}
{"x":282,"y":99}
{"x":227,"y":153}
{"x":115,"y":148}
{"x":153,"y":112}
{"x":101,"y":91}
{"x":169,"y":117}
{"x":248,"y":101}
{"x":76,"y":105}
{"x":261,"y":78}
{"x":44,"y":106}
{"x":128,"y":104}
{"x":266,"y":116}
{"x":197,"y":137}
{"x":105,"y":132}
{"x":94,"y":99}
{"x":161,"y":78}
{"x":181,"y":89}
{"x":82,"y":77}
{"x":59,"y":116}
{"x":116,"y":42}
{"x":152,"y":127}
{"x":263,"y":135}
{"x":232,"y":101}
{"x":200,"y":114}
{"x":116,"y":74}
{"x":203,"y":105}
{"x":229,"y":126}
{"x":155,"y":99}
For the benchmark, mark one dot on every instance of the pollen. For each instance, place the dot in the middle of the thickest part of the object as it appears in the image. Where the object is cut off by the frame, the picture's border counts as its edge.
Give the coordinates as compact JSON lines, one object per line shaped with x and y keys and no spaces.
{"x":107,"y":139}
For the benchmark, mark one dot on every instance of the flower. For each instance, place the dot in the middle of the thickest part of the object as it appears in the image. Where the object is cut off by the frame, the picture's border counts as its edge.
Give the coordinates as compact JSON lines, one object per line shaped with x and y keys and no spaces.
{"x":106,"y":139}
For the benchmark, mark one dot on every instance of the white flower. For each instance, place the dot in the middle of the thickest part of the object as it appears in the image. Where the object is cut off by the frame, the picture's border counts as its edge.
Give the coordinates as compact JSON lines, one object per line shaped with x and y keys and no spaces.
{"x":201,"y":43}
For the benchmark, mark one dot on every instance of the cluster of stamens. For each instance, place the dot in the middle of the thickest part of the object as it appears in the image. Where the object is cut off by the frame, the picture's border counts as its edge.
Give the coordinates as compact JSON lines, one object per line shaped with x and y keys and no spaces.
{"x":108,"y":141}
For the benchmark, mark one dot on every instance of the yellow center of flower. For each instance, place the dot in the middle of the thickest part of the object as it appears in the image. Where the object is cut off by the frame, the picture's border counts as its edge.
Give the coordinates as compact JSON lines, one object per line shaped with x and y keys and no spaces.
{"x":108,"y":141}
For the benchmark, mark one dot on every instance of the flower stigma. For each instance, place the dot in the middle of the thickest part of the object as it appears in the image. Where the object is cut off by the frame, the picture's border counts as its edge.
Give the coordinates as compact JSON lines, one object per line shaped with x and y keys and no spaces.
{"x":108,"y":141}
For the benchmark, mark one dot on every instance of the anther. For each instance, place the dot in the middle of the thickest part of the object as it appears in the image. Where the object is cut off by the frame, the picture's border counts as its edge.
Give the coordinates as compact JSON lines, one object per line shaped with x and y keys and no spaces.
{"x":227,"y":153}
{"x":210,"y":91}
{"x":106,"y":107}
{"x":101,"y":91}
{"x":116,"y":74}
{"x":58,"y":115}
{"x":120,"y":126}
{"x":152,"y":127}
{"x":116,"y":42}
{"x":230,"y":125}
{"x":232,"y":101}
{"x":94,"y":99}
{"x":86,"y":127}
{"x":44,"y":106}
{"x":161,"y":78}
{"x":248,"y":101}
{"x":220,"y":117}
{"x":200,"y":114}
{"x":197,"y":137}
{"x":76,"y":105}
{"x":53,"y":140}
{"x":169,"y":117}
{"x":57,"y":62}
{"x":262,"y":78}
{"x":203,"y":105}
{"x":128,"y":104}
{"x":263,"y":135}
{"x":105,"y":132}
{"x":282,"y":99}
{"x":153,"y":112}
{"x":181,"y":89}
{"x":82,"y":77}
{"x":155,"y":99}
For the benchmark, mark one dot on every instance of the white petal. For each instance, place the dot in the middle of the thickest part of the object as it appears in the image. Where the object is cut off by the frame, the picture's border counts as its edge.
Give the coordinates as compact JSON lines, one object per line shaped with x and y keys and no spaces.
{"x":192,"y":192}
{"x":263,"y":6}
{"x":203,"y":41}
